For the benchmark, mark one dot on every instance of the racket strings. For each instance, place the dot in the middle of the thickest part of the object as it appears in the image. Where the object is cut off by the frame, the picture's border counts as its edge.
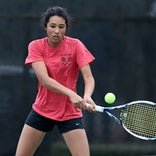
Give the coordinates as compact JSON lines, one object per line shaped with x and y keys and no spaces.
{"x":145,"y":126}
{"x":140,"y":119}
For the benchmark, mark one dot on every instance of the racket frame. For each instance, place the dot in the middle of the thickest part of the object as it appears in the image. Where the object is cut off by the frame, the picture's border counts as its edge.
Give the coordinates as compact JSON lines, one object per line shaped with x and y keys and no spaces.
{"x":118,"y":120}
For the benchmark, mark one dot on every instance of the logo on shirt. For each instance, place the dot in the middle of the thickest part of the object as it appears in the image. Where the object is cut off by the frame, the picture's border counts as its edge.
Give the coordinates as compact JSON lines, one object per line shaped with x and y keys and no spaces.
{"x":66,"y":59}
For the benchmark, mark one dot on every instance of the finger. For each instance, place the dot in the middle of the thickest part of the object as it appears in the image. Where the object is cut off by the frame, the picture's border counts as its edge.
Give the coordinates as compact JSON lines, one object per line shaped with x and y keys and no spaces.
{"x":90,"y":107}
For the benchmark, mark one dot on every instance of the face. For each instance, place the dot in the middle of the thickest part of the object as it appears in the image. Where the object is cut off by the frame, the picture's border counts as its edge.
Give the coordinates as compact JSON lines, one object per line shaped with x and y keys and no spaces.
{"x":56,"y":28}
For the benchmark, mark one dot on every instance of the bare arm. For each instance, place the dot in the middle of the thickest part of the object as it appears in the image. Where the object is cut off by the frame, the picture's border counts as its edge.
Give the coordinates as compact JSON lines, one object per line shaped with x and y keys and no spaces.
{"x":42,"y":75}
{"x":89,"y":84}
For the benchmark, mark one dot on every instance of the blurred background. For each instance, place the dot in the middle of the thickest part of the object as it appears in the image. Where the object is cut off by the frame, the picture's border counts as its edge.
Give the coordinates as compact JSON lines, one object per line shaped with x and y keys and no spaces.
{"x":120,"y":34}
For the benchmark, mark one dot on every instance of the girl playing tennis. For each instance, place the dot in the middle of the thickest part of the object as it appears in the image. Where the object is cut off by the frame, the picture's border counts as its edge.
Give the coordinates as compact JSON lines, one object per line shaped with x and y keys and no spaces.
{"x":56,"y":61}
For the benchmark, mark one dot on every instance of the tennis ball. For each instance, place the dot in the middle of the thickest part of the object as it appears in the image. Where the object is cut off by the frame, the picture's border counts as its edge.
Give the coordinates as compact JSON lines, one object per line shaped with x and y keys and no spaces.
{"x":109,"y":98}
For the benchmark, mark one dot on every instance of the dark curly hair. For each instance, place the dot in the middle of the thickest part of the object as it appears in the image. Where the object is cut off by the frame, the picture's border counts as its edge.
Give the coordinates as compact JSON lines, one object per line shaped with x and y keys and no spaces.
{"x":54,"y":11}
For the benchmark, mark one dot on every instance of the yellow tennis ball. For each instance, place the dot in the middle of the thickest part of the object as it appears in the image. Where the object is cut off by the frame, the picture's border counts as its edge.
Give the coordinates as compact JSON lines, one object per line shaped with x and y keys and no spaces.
{"x":109,"y":98}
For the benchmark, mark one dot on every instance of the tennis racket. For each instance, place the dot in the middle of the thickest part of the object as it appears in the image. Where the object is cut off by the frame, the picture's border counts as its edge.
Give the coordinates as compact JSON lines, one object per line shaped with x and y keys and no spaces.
{"x":138,"y":118}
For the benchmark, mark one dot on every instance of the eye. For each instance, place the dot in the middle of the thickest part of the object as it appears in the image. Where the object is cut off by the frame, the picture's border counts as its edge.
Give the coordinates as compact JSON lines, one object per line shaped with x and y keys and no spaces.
{"x":62,"y":26}
{"x":52,"y":26}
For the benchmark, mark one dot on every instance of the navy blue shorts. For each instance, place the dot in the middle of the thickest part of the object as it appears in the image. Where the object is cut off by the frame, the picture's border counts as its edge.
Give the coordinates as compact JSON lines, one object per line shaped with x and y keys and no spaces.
{"x":44,"y":124}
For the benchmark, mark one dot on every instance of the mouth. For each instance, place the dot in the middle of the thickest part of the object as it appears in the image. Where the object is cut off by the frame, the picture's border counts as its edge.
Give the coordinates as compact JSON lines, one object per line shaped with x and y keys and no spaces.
{"x":56,"y":37}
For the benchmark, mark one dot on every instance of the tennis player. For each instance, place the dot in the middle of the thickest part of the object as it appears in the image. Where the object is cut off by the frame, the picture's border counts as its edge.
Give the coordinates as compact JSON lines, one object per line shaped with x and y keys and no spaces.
{"x":56,"y":60}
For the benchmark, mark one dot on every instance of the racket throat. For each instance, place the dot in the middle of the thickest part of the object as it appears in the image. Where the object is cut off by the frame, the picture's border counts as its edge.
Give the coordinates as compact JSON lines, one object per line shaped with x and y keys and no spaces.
{"x":115,"y":118}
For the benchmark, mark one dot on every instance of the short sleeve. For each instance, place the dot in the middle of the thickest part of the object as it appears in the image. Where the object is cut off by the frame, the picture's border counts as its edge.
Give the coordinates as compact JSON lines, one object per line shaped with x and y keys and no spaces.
{"x":34,"y":53}
{"x":83,"y":55}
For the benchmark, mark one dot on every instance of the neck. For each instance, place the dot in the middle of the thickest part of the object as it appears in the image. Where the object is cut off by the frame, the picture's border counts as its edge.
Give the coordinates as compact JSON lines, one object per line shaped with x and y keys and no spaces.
{"x":54,"y":45}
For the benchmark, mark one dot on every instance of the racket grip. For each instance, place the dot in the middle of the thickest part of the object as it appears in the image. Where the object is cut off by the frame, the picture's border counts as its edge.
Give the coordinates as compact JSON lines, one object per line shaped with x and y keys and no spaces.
{"x":97,"y":108}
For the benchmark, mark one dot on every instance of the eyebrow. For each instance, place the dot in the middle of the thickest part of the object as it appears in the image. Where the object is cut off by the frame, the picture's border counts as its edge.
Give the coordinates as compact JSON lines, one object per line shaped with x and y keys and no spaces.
{"x":56,"y":24}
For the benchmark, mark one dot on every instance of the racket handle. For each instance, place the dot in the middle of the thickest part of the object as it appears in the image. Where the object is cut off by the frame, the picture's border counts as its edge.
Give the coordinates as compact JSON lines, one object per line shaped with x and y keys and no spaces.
{"x":97,"y":108}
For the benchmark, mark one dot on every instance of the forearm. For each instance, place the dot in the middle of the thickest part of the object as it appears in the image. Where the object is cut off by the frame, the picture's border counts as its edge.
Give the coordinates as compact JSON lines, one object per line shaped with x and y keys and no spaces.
{"x":48,"y":82}
{"x":55,"y":86}
{"x":89,"y":82}
{"x":89,"y":87}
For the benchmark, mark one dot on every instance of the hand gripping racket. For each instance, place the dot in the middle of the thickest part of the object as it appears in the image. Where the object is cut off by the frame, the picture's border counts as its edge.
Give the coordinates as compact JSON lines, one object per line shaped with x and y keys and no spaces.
{"x":138,"y":118}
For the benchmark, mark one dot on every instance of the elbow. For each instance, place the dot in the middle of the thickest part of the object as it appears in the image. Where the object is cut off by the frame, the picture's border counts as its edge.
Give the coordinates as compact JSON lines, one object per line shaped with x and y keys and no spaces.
{"x":44,"y":82}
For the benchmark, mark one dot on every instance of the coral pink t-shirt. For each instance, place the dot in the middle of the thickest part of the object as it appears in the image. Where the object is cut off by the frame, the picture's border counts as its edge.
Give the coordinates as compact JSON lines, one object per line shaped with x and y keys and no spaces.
{"x":63,"y":64}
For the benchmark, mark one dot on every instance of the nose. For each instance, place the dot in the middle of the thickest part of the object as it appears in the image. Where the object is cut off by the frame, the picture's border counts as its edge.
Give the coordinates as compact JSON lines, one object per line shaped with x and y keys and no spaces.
{"x":57,"y":30}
